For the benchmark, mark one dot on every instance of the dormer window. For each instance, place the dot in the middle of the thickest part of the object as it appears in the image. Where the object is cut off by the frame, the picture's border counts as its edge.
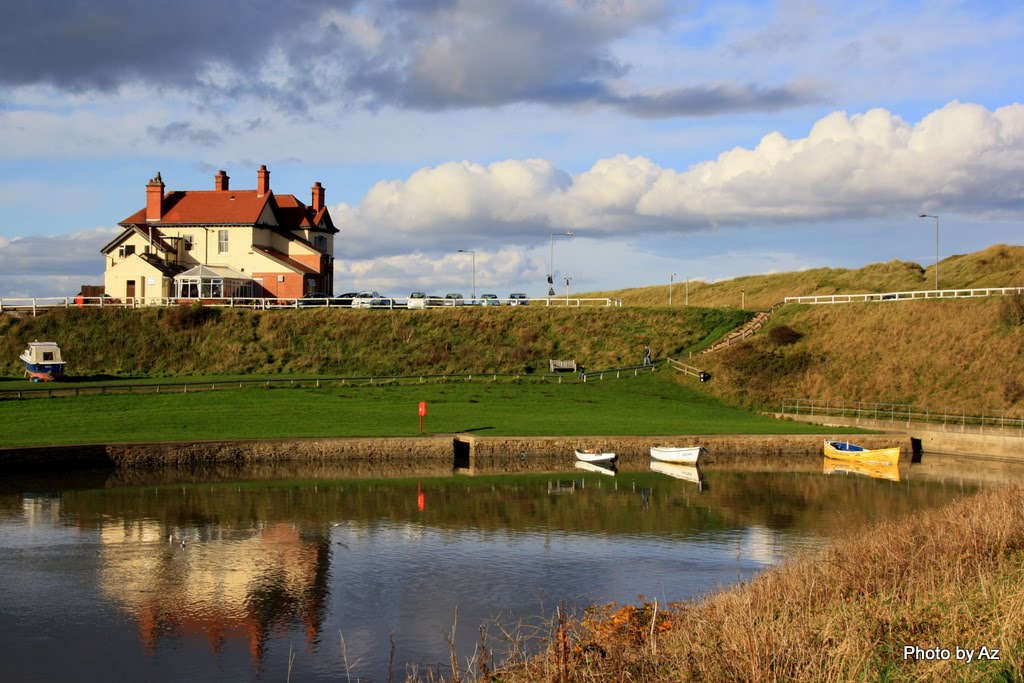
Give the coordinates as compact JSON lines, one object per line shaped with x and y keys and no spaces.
{"x":320,"y":242}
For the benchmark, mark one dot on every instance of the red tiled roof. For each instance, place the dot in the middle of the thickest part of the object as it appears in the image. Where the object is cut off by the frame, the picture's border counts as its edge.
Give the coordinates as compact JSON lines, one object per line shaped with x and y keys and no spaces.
{"x":208,"y":206}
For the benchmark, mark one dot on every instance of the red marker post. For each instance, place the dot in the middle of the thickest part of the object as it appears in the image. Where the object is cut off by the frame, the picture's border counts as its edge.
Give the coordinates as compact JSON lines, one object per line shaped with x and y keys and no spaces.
{"x":423,"y":413}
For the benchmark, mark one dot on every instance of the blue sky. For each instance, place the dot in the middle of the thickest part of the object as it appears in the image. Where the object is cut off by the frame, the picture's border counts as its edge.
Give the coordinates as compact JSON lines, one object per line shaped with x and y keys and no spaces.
{"x":708,"y":140}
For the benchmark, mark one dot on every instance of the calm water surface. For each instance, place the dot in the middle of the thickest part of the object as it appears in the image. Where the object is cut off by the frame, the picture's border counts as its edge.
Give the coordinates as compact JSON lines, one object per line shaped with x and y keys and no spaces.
{"x":225,"y":575}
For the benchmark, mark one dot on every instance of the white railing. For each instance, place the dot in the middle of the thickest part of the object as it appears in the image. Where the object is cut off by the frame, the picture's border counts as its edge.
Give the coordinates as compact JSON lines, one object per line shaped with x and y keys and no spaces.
{"x":43,"y":303}
{"x":905,"y":296}
{"x":898,"y":412}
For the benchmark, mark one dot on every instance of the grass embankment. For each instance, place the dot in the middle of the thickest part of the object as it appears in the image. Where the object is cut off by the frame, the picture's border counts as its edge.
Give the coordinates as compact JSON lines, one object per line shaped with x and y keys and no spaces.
{"x":940,"y":580}
{"x":207,"y":341}
{"x":644,"y":405}
{"x":998,"y":266}
{"x":939,"y":355}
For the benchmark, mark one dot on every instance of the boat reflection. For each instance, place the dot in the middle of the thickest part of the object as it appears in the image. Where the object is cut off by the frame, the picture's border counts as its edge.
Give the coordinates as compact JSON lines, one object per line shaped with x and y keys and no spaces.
{"x":874,"y":470}
{"x":598,"y":468}
{"x":688,"y":473}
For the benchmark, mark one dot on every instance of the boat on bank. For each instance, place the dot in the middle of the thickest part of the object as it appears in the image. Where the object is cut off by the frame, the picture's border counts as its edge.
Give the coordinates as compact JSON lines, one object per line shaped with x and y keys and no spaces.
{"x":844,"y":450}
{"x":688,"y":473}
{"x":592,"y":455}
{"x":688,"y":455}
{"x":888,"y":471}
{"x":42,"y":360}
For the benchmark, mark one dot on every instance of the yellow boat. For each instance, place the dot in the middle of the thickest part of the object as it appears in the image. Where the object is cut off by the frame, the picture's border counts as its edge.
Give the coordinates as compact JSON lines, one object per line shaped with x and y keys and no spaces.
{"x":874,"y":470}
{"x":844,"y":450}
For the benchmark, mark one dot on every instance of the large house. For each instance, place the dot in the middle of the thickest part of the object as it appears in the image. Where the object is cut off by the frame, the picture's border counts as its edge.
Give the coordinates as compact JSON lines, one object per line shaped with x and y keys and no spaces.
{"x":222,"y":243}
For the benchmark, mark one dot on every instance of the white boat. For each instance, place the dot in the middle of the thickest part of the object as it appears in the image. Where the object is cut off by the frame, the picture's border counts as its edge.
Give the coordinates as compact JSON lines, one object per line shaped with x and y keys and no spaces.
{"x":685,"y":456}
{"x":688,"y":473}
{"x":591,"y":455}
{"x":597,"y":468}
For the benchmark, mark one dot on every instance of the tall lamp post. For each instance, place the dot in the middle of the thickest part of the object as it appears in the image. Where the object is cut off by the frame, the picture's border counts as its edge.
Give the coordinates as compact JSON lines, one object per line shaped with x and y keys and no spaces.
{"x":473,"y":254}
{"x":670,"y":279}
{"x":928,"y":215}
{"x":551,"y":260}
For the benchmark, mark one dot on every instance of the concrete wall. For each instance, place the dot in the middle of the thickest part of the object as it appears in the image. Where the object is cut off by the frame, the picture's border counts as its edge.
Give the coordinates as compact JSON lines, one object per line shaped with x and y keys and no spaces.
{"x":936,"y":438}
{"x":463,"y":452}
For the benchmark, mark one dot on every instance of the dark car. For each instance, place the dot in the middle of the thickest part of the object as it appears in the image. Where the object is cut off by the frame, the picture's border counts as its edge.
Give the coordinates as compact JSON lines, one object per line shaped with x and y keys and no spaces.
{"x":344,"y":299}
{"x":316,"y":299}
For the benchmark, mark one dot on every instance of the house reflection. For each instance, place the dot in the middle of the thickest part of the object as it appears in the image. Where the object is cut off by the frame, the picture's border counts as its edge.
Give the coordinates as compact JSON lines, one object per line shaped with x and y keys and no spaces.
{"x":217,"y":584}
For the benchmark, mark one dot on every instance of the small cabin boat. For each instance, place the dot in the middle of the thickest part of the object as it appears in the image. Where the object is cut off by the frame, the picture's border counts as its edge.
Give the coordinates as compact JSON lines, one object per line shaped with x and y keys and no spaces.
{"x":42,"y":360}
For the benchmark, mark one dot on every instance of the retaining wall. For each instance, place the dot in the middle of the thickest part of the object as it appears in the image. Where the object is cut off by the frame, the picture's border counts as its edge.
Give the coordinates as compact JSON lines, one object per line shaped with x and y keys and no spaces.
{"x":462,"y":452}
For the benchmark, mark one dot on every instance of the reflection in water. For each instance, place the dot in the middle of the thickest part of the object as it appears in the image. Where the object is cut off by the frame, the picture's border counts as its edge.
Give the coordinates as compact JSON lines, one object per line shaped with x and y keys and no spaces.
{"x":688,"y":473}
{"x":875,"y":470}
{"x":235,"y":576}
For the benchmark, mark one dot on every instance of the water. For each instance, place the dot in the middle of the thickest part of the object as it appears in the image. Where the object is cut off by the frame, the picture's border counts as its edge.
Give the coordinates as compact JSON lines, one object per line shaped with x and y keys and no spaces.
{"x":237,"y":575}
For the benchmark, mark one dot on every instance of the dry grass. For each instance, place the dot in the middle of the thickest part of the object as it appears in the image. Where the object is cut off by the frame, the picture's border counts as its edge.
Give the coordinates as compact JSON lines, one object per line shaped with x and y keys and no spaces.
{"x":998,"y":266}
{"x":946,"y":578}
{"x":940,"y":355}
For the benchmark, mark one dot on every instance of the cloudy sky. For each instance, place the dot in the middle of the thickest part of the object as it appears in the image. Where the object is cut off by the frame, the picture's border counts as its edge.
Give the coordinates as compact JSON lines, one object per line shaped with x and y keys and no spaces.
{"x":673,"y":138}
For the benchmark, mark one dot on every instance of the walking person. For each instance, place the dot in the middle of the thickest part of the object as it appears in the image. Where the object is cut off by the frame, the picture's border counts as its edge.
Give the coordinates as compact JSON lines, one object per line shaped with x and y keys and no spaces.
{"x":647,"y":355}
{"x":583,"y":371}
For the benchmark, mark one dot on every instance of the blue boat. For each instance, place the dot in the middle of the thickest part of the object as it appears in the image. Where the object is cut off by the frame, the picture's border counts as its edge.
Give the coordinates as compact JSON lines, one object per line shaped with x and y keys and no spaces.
{"x":42,"y":361}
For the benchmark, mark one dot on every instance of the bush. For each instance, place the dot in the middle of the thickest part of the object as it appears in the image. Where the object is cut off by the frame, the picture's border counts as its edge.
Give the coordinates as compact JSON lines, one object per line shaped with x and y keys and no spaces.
{"x":177,"y":318}
{"x":783,"y":335}
{"x":1011,"y":310}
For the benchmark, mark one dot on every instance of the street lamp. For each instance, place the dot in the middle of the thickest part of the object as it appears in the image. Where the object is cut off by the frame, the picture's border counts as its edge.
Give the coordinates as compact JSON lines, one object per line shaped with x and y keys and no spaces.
{"x":473,"y":253}
{"x":551,"y":260}
{"x":928,"y":215}
{"x":670,"y":279}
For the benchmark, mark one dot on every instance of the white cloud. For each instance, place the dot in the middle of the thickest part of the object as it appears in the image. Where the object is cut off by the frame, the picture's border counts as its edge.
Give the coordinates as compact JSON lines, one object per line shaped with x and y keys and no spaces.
{"x":961,"y":158}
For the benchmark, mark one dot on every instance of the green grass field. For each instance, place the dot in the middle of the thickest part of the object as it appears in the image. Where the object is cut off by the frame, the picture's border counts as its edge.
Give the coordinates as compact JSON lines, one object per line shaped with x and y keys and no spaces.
{"x":646,"y":405}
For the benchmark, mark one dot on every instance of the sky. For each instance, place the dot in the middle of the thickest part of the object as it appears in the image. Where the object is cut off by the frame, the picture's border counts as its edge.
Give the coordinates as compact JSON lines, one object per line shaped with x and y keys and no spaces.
{"x":675,"y":139}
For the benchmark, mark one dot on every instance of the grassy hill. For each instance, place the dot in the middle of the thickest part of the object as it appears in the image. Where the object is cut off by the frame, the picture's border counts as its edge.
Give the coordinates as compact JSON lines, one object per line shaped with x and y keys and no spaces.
{"x":998,"y":266}
{"x":211,"y":341}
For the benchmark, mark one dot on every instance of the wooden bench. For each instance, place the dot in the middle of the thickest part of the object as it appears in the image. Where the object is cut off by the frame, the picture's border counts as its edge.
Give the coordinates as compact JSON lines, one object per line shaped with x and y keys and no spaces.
{"x":562,"y":365}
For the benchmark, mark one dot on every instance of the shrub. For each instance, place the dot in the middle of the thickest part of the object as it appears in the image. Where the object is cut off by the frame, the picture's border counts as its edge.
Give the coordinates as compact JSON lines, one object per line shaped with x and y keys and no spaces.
{"x":1011,"y":310}
{"x":178,"y":318}
{"x":783,"y":335}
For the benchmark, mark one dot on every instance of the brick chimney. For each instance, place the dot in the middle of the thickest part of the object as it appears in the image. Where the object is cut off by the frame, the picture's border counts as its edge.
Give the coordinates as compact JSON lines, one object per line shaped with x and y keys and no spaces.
{"x":262,"y":181}
{"x":318,"y":196}
{"x":220,"y":181}
{"x":155,"y":199}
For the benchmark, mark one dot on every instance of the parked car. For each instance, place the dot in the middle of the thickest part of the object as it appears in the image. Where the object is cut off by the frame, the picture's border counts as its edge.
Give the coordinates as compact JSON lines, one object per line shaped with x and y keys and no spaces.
{"x":417,"y":300}
{"x":317,"y":299}
{"x":518,"y":299}
{"x":454,"y":299}
{"x":489,"y":300}
{"x":364,"y":299}
{"x":344,"y":299}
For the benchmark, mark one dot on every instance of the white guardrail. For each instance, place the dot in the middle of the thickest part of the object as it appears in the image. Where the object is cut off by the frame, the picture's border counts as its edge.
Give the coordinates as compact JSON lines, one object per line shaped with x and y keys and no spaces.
{"x":899,"y":412}
{"x":42,"y":303}
{"x":904,"y":296}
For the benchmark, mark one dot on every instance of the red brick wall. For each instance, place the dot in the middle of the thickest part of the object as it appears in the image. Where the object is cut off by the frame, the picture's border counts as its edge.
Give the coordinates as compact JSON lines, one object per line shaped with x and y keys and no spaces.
{"x":291,"y":288}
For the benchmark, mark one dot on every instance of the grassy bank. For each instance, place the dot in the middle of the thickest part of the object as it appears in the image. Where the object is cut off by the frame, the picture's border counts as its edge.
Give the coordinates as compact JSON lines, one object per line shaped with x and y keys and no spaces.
{"x":164,"y":342}
{"x":940,"y":580}
{"x":648,"y":404}
{"x":998,"y":266}
{"x":939,"y":355}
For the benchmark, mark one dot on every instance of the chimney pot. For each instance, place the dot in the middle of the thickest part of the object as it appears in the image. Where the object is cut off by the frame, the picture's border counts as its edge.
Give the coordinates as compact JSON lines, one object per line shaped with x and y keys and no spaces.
{"x":262,"y":181}
{"x":155,"y":199}
{"x":221,"y":181}
{"x":318,"y":196}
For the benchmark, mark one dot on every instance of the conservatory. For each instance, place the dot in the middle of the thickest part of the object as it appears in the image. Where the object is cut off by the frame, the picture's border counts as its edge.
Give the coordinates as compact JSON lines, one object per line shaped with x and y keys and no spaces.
{"x":212,"y":282}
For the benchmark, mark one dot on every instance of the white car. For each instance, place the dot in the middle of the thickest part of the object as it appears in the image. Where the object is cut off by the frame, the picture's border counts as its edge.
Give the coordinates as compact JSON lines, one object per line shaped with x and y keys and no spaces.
{"x":364,"y":299}
{"x":417,"y":300}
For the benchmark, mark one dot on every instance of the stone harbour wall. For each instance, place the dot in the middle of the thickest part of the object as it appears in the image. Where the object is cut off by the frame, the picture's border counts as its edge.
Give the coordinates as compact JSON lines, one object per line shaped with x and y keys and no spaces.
{"x":462,"y":452}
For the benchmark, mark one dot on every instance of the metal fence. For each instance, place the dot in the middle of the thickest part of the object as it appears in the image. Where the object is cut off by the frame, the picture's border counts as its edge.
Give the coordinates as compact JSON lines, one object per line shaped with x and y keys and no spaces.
{"x":34,"y":305}
{"x":65,"y":388}
{"x":898,"y":412}
{"x":905,"y":296}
